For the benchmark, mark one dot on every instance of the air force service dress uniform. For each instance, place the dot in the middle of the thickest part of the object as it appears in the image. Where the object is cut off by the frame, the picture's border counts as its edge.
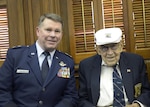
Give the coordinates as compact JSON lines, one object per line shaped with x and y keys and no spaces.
{"x":21,"y":82}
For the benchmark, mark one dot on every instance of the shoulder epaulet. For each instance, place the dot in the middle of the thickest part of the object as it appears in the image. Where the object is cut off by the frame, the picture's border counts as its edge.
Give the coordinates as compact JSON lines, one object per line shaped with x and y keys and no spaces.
{"x":19,"y":46}
{"x":66,"y":54}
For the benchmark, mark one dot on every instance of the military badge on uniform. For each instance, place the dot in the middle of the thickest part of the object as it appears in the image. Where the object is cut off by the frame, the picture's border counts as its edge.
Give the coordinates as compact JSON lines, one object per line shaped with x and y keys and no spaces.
{"x":62,"y":64}
{"x":64,"y":71}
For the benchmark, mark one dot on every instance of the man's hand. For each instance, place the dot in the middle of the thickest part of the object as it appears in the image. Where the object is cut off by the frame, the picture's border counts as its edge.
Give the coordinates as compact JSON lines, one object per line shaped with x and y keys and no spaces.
{"x":133,"y":105}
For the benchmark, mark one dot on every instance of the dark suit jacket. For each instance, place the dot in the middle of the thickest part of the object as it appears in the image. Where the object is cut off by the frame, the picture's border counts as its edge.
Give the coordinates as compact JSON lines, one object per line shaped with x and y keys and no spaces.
{"x":133,"y":71}
{"x":27,"y":89}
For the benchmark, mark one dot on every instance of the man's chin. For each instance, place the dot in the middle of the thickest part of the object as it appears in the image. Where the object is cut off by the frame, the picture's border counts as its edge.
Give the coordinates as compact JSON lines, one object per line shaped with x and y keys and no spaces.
{"x":111,"y":63}
{"x":50,"y":48}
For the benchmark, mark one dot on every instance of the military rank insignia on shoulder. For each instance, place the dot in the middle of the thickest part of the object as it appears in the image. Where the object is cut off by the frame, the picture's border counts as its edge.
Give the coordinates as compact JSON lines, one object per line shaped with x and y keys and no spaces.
{"x":19,"y":46}
{"x":68,"y":55}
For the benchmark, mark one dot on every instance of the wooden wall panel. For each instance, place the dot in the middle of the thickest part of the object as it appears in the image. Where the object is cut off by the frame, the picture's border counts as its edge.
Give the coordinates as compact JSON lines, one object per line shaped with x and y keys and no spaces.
{"x":16,"y":22}
{"x":65,"y":44}
{"x":34,"y":14}
{"x":2,"y":2}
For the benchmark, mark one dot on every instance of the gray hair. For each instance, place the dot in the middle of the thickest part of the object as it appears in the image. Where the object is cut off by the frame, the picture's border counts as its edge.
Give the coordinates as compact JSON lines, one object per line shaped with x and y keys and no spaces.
{"x":50,"y":16}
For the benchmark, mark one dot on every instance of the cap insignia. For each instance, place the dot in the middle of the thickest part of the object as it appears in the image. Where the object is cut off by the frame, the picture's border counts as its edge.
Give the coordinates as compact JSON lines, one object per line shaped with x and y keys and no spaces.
{"x":108,"y":35}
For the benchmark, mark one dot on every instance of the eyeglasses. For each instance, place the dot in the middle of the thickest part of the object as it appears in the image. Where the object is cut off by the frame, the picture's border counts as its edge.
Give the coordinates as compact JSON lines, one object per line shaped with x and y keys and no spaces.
{"x":113,"y":47}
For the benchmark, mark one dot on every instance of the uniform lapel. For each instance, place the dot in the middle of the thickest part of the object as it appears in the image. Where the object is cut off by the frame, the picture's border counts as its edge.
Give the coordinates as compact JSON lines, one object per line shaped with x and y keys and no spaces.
{"x":95,"y":78}
{"x":127,"y":76}
{"x":34,"y":63}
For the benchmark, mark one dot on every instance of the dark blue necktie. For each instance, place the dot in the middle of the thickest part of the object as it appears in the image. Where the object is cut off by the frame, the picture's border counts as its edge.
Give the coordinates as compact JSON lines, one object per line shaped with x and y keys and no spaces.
{"x":118,"y":90}
{"x":45,"y":66}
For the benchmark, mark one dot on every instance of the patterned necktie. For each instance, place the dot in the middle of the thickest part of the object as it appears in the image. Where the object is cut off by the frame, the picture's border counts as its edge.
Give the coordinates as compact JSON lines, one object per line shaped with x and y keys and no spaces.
{"x":118,"y":90}
{"x":45,"y":66}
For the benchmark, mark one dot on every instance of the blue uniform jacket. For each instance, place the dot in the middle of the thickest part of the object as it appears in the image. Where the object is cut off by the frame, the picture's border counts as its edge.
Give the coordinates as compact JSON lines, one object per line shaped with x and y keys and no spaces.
{"x":133,"y":71}
{"x":21,"y":82}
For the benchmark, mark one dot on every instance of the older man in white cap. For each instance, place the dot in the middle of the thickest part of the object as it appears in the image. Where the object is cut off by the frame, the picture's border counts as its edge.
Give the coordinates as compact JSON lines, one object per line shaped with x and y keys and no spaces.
{"x":113,"y":78}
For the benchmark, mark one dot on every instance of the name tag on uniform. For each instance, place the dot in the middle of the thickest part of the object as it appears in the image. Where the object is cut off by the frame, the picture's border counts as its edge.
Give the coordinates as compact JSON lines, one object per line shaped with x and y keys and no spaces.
{"x":22,"y":71}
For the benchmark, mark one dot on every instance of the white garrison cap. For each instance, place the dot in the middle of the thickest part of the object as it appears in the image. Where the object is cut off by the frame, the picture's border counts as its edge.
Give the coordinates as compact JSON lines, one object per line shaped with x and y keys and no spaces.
{"x":107,"y":36}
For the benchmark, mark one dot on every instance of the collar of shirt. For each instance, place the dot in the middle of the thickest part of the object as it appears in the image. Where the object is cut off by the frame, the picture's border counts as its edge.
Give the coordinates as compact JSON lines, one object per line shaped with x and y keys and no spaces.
{"x":41,"y":56}
{"x":117,"y":67}
{"x":40,"y":51}
{"x":104,"y":64}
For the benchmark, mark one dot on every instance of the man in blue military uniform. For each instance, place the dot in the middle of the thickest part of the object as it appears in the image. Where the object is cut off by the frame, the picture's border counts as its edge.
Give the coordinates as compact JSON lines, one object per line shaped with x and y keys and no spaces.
{"x":21,"y":82}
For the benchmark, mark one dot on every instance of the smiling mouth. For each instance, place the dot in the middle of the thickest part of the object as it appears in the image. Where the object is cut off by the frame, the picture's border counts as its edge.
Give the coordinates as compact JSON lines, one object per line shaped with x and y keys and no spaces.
{"x":53,"y":41}
{"x":110,"y":58}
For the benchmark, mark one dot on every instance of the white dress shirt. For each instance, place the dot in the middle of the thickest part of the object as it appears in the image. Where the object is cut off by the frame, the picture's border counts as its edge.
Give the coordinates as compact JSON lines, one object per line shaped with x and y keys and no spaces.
{"x":106,"y":86}
{"x":41,"y":56}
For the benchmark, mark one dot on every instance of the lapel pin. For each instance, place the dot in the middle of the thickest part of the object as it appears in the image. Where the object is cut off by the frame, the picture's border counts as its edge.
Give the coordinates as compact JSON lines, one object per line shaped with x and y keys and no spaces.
{"x":32,"y":53}
{"x":128,"y":70}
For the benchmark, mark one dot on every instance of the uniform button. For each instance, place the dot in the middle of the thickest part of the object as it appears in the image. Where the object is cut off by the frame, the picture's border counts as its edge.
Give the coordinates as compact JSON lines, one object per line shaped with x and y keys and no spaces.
{"x":40,"y":102}
{"x":118,"y":94}
{"x":43,"y":89}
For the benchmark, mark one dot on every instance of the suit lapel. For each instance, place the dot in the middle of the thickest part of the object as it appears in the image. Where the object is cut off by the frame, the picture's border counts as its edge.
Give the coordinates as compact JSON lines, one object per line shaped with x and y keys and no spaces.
{"x":126,"y":74}
{"x":127,"y":78}
{"x":95,"y":78}
{"x":33,"y":63}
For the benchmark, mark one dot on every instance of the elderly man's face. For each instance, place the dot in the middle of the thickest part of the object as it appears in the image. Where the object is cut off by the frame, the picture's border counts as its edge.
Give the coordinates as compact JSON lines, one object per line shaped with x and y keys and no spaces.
{"x":110,"y":53}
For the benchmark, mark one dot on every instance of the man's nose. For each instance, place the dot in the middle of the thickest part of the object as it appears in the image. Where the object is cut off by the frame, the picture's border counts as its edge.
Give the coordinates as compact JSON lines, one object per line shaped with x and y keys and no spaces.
{"x":52,"y":34}
{"x":109,"y":51}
